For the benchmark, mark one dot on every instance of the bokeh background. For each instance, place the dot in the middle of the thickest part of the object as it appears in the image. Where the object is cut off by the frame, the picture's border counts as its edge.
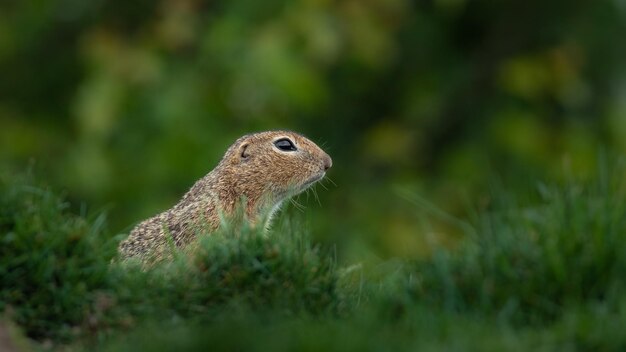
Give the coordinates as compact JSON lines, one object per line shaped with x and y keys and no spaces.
{"x":124,"y":104}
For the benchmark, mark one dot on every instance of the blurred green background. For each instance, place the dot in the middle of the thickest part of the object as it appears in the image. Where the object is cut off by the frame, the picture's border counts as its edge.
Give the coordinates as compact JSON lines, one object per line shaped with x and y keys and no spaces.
{"x":124,"y":104}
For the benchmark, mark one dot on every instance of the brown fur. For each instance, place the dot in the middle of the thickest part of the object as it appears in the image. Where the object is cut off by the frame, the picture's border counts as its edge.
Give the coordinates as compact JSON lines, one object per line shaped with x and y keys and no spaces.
{"x":253,"y":173}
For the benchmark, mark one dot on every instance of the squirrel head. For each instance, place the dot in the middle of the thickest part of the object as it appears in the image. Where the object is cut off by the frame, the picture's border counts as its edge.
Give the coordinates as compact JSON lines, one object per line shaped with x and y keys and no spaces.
{"x":274,"y":164}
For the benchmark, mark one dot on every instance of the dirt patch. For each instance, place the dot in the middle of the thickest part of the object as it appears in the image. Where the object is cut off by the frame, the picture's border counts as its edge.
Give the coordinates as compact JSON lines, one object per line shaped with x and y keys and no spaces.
{"x":7,"y":343}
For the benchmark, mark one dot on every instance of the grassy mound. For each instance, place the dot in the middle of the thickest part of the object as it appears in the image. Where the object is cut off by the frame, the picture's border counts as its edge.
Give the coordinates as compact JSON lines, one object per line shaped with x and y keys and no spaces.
{"x":531,"y":263}
{"x":58,"y":283}
{"x":549,"y":272}
{"x":53,"y":264}
{"x":244,"y":272}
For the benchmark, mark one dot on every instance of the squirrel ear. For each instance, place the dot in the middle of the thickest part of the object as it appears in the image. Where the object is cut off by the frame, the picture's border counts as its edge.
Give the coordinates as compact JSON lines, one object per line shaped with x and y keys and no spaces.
{"x":243,"y":151}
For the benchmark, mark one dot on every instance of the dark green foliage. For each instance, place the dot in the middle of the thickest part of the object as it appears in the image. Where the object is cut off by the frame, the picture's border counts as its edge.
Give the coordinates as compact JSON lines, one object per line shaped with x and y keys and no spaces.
{"x":546,"y":273}
{"x":282,"y":270}
{"x":532,"y":263}
{"x":249,"y":272}
{"x":254,"y":333}
{"x":425,"y":329}
{"x":53,"y":264}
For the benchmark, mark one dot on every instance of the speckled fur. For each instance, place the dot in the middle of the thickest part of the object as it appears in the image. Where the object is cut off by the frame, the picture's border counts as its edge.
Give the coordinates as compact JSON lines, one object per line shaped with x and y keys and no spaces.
{"x":253,"y":176}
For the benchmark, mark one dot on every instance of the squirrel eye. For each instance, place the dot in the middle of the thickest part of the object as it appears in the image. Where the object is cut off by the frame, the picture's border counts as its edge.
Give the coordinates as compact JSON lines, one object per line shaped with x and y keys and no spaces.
{"x":285,"y":144}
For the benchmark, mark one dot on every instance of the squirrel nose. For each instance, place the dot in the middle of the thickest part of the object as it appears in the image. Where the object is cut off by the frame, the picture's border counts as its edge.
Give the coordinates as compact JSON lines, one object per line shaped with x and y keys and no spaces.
{"x":328,"y":162}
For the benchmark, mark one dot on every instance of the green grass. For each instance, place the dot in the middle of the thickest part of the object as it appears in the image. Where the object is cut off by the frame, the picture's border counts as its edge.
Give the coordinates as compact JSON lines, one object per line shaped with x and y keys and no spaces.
{"x":53,"y":264}
{"x":531,"y":264}
{"x":538,"y":270}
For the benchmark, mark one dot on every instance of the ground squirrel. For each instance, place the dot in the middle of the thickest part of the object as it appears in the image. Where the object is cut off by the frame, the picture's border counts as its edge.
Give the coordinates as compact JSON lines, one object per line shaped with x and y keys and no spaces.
{"x":255,"y":175}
